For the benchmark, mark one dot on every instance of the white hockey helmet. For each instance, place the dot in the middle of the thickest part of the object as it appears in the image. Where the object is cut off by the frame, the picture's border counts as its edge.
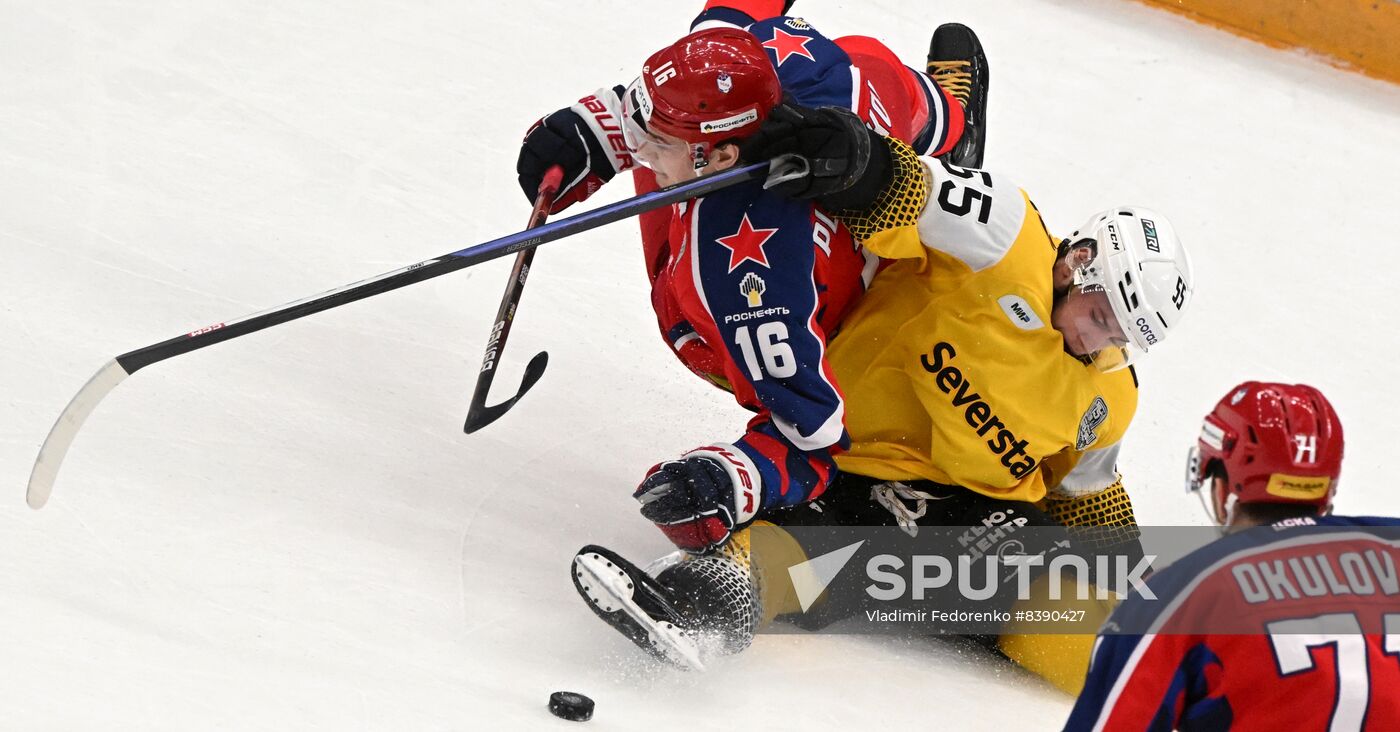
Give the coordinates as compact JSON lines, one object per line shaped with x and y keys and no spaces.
{"x":1144,"y":269}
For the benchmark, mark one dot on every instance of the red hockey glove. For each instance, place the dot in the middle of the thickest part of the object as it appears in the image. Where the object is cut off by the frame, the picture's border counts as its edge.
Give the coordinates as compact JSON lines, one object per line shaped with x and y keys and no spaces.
{"x":585,"y":139}
{"x":699,"y":500}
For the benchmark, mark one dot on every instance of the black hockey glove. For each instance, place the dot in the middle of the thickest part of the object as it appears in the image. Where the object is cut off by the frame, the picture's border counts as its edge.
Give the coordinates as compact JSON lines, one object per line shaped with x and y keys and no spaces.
{"x":585,"y":139}
{"x":699,"y":500}
{"x":850,"y":163}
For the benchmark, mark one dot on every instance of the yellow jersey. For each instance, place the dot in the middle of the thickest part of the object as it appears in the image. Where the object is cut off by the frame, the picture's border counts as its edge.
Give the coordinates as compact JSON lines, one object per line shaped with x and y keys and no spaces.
{"x":951,"y":369}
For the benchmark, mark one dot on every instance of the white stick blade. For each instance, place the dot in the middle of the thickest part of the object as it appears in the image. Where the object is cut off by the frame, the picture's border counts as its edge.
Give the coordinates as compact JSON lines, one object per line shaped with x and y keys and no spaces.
{"x":66,"y":428}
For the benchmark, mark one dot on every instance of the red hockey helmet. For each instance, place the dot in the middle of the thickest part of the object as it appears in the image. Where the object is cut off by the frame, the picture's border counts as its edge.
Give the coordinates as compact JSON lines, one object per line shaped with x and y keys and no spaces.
{"x":1276,"y":443}
{"x":708,"y":87}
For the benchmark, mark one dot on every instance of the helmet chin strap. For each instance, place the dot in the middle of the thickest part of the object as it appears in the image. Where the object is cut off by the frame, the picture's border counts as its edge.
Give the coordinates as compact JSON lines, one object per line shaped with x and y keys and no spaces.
{"x":1230,"y":503}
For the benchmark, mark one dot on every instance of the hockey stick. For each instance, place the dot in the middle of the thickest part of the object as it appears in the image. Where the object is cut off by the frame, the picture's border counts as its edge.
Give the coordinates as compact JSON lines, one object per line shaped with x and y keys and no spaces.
{"x":479,"y":414}
{"x":61,"y":436}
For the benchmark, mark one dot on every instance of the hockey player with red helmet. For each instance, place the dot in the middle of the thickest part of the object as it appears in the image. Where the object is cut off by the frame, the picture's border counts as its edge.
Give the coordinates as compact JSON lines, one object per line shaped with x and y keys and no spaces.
{"x":747,"y":285}
{"x":748,"y":289}
{"x":1292,"y":621}
{"x":941,"y":111}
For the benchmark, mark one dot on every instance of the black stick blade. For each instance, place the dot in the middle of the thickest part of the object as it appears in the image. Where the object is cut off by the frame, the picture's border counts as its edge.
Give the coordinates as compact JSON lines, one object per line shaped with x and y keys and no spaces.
{"x":481,"y":415}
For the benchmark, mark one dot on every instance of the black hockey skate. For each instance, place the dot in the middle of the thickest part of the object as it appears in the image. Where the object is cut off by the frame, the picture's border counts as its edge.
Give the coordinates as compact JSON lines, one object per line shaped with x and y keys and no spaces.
{"x":958,"y":65}
{"x":636,"y":605}
{"x":669,"y":615}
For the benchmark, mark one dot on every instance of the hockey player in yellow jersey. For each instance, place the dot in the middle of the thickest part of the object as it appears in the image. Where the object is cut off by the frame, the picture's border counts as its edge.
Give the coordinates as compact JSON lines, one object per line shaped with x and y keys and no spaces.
{"x":987,"y":379}
{"x":988,"y":370}
{"x":988,"y":354}
{"x":965,"y":362}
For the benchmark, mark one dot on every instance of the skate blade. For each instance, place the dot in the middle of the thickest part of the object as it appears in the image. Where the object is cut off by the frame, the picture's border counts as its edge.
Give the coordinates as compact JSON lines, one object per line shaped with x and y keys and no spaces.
{"x":609,"y":588}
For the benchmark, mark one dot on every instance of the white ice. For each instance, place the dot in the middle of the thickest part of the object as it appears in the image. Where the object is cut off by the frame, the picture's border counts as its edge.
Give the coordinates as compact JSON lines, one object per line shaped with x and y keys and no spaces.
{"x":290,"y":531}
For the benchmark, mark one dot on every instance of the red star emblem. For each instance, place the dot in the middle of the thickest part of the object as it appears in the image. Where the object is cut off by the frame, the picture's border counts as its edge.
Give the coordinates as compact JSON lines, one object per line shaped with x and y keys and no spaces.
{"x":746,"y":244}
{"x":787,"y":45}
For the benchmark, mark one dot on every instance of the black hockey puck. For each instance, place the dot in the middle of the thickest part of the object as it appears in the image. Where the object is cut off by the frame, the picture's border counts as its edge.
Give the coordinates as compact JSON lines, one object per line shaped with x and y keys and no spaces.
{"x":570,"y":705}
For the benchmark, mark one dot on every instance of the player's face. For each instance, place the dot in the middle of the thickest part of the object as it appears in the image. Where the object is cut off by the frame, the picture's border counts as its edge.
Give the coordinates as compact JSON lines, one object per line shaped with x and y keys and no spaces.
{"x":671,"y":158}
{"x":1086,"y":321}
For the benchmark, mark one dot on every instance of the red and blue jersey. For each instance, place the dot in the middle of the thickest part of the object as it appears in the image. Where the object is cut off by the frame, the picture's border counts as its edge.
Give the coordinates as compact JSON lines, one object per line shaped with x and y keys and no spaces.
{"x":752,"y":289}
{"x":749,"y":286}
{"x":856,"y":72}
{"x":1290,"y":626}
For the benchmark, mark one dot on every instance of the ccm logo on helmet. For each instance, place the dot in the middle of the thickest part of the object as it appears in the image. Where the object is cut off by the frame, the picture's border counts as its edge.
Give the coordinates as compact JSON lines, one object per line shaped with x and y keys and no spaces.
{"x":1147,"y":331}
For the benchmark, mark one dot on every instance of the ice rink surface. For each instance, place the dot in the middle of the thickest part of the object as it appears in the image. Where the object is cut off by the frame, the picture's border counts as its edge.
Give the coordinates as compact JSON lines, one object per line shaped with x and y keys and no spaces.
{"x":290,"y":531}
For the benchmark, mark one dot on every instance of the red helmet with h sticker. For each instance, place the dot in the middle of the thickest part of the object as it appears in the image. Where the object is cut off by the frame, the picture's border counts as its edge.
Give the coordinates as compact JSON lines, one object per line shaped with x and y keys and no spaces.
{"x":1275,"y":443}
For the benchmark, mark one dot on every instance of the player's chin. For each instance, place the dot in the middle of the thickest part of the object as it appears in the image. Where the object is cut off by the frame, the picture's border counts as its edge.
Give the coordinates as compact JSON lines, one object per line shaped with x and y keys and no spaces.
{"x":1071,"y":343}
{"x":1074,"y":344}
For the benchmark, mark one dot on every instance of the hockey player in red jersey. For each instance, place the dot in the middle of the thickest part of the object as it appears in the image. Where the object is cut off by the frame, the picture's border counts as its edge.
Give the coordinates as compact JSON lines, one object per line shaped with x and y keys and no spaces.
{"x":748,"y":285}
{"x":1292,"y":621}
{"x":748,"y":291}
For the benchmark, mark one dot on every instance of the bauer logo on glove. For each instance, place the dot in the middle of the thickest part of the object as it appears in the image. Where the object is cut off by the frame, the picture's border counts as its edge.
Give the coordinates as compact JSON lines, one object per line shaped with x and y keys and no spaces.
{"x":699,"y":500}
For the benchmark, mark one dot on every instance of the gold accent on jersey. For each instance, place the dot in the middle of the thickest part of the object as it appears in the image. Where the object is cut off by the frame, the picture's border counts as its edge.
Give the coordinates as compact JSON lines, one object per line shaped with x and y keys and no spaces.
{"x":899,"y":203}
{"x":1102,"y":520}
{"x":737,"y":549}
